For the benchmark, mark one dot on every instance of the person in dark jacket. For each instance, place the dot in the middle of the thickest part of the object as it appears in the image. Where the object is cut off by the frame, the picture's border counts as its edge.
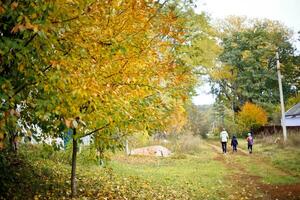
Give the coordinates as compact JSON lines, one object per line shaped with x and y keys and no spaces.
{"x":234,"y":143}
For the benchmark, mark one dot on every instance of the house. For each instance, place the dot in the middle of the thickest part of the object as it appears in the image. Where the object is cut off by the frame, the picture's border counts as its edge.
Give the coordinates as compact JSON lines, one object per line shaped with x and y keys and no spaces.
{"x":292,"y":116}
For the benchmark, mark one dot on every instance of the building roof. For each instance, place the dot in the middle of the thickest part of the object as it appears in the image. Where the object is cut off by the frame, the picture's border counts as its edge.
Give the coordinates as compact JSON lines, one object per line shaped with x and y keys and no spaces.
{"x":293,"y":111}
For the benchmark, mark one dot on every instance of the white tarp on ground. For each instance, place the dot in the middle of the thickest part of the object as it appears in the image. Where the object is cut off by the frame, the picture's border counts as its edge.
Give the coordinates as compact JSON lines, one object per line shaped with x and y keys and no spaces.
{"x":152,"y":151}
{"x":292,"y":116}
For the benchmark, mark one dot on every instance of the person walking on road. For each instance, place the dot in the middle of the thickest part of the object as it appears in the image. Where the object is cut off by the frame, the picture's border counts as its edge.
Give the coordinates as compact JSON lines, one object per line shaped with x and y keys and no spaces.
{"x":234,"y":143}
{"x":250,"y":142}
{"x":224,"y":137}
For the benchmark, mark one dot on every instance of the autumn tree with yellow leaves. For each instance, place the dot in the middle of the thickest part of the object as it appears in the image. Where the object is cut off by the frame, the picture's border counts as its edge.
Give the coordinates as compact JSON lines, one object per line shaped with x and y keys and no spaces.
{"x":115,"y":69}
{"x":101,"y":68}
{"x":251,"y":116}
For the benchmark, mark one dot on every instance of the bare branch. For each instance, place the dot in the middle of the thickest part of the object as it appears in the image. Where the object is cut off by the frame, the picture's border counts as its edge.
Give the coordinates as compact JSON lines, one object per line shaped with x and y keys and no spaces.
{"x":96,"y":130}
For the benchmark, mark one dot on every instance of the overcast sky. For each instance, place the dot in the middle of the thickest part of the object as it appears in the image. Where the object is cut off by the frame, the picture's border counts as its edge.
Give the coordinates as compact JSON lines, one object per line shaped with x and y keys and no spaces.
{"x":285,"y":11}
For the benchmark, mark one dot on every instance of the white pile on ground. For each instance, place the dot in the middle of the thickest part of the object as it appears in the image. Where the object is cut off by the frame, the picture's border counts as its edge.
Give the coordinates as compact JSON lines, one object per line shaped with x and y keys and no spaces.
{"x":152,"y":151}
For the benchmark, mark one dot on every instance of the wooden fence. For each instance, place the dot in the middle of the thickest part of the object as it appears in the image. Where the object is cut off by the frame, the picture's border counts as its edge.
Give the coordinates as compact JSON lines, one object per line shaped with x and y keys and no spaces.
{"x":273,"y":129}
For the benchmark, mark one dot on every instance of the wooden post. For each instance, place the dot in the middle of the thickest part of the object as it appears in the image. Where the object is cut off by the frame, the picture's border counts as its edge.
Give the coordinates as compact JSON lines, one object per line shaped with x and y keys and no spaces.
{"x":281,"y":99}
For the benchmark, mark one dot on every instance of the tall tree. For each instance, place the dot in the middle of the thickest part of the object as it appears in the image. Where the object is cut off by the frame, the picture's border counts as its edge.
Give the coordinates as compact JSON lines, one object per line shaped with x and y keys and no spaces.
{"x":202,"y":49}
{"x":116,"y":69}
{"x":24,"y":53}
{"x":247,"y":71}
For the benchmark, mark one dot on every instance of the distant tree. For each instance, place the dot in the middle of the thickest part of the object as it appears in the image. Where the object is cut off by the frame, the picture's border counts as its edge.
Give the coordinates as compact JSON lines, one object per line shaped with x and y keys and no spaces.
{"x":251,"y":116}
{"x":292,"y":101}
{"x":200,"y":119}
{"x":247,"y":68}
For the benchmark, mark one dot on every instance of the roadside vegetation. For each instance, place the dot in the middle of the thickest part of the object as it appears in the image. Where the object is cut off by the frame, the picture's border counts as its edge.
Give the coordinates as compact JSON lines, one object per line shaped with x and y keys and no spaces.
{"x":194,"y":171}
{"x":122,"y":72}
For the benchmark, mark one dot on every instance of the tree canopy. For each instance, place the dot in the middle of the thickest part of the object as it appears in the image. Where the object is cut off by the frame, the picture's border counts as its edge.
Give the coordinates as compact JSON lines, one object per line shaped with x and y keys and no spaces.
{"x":247,"y":68}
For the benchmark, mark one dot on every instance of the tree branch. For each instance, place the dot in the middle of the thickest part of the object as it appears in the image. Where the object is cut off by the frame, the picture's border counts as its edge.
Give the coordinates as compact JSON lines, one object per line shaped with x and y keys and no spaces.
{"x":31,"y":38}
{"x":96,"y":130}
{"x":120,"y":70}
{"x":224,"y":91}
{"x":67,"y":20}
{"x":87,"y":9}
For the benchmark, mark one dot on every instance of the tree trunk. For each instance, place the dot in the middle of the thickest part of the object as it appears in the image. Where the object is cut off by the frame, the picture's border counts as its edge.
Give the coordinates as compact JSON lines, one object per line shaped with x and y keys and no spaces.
{"x":127,"y":147}
{"x":13,"y":142}
{"x":73,"y":173}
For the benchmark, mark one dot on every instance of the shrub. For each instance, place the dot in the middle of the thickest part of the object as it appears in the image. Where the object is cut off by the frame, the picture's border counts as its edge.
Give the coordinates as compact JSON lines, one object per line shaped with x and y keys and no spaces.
{"x":188,"y":144}
{"x":251,"y":116}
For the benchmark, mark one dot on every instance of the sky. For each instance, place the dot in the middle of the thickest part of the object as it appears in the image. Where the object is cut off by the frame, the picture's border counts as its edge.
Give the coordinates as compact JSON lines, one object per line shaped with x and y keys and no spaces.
{"x":285,"y":11}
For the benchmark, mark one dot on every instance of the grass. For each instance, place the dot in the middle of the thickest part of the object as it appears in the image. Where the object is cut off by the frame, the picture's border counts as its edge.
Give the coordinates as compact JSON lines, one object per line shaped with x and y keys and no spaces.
{"x":194,"y":171}
{"x":274,"y":162}
{"x":283,"y":156}
{"x":199,"y":176}
{"x":269,"y":174}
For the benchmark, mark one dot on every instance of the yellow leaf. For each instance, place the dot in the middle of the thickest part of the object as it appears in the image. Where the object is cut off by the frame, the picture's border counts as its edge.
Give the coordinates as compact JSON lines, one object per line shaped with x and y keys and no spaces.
{"x":14,"y":5}
{"x":2,"y":10}
{"x":21,"y":67}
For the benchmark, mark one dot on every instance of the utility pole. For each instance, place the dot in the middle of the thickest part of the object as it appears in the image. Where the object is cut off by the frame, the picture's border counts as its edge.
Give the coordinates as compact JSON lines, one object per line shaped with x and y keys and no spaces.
{"x":281,"y":98}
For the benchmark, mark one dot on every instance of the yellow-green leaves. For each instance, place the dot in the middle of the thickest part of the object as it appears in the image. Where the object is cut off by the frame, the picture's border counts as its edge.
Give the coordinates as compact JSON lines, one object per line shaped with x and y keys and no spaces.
{"x":115,"y":64}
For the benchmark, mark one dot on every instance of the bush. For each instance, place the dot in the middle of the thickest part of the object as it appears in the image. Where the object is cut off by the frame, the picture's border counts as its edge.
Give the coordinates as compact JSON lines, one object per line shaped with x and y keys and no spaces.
{"x":187,"y":144}
{"x":251,"y":116}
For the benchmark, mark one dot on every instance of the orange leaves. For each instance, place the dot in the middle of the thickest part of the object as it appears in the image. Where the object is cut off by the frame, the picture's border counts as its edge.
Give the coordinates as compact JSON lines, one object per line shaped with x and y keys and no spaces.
{"x":177,"y":119}
{"x":14,"y":5}
{"x":17,"y":27}
{"x":2,"y":10}
{"x":24,"y":24}
{"x":252,"y":116}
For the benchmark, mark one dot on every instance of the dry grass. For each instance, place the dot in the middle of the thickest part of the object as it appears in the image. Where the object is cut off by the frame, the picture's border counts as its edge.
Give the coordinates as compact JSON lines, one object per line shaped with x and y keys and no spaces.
{"x":293,"y":139}
{"x":189,"y":144}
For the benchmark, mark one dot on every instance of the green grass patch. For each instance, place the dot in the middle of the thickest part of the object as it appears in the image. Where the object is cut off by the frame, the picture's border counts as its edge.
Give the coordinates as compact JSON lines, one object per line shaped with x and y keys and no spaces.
{"x":273,"y":163}
{"x":269,"y":174}
{"x":198,"y":175}
{"x":285,"y":156}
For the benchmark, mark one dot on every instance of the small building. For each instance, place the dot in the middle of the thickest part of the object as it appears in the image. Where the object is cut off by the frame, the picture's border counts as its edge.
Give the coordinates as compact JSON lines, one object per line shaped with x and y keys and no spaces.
{"x":292,"y":116}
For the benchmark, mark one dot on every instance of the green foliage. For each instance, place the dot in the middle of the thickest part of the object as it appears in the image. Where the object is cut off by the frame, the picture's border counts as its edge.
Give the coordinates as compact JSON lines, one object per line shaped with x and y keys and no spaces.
{"x":22,"y":39}
{"x":199,"y":119}
{"x":292,"y":101}
{"x":248,"y":70}
{"x":202,"y":50}
{"x":25,"y":51}
{"x":139,"y":139}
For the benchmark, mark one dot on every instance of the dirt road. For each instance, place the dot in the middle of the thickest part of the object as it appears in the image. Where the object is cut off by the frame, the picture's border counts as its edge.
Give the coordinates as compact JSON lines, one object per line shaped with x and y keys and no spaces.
{"x":245,"y":185}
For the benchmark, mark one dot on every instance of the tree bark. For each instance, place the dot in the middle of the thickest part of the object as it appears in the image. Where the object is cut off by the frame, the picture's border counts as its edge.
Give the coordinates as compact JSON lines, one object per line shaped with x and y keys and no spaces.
{"x":127,"y":148}
{"x":73,"y":173}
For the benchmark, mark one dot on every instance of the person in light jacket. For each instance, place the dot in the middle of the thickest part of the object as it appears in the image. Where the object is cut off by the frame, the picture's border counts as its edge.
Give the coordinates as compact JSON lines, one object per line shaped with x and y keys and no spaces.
{"x":224,"y":138}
